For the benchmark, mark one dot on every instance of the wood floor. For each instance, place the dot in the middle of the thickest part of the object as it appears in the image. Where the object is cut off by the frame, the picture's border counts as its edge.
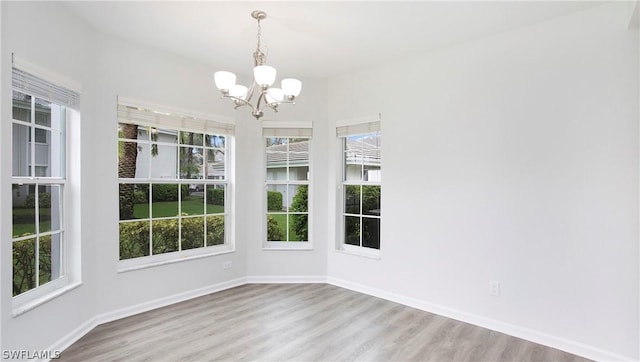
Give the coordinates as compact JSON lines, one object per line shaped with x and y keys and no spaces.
{"x":298,"y":322}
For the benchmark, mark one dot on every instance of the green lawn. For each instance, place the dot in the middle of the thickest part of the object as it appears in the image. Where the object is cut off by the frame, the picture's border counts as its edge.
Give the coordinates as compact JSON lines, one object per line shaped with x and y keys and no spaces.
{"x":24,"y":221}
{"x":191,"y":206}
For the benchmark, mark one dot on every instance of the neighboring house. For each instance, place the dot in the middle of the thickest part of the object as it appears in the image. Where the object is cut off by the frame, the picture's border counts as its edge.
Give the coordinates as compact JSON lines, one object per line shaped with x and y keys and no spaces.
{"x":361,"y":152}
{"x":44,"y":146}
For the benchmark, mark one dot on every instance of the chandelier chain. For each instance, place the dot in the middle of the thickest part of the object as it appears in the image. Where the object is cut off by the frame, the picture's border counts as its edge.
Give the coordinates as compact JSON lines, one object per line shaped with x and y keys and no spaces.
{"x":258,"y":56}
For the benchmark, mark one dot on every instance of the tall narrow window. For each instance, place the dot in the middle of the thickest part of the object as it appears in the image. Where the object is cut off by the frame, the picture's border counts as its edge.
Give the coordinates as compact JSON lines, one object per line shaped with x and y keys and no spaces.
{"x":361,"y":185}
{"x":39,"y":179}
{"x":287,"y":171}
{"x":173,"y":183}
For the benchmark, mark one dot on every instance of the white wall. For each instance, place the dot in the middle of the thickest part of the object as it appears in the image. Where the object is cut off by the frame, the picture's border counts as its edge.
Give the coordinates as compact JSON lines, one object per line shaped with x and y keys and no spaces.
{"x":513,"y":158}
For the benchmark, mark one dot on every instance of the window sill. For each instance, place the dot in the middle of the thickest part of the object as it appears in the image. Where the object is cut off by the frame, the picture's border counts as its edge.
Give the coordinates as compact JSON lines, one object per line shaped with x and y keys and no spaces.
{"x":356,"y":251}
{"x":25,"y":307}
{"x":127,"y":265}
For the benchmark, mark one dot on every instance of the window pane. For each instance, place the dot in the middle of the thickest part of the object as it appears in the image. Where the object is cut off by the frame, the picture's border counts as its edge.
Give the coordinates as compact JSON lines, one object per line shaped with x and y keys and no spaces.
{"x":45,"y":259}
{"x":24,"y":210}
{"x":215,"y":141}
{"x":21,"y":107}
{"x":298,"y":227}
{"x":134,"y":239}
{"x":299,"y":198}
{"x":276,"y":165}
{"x":134,"y":201}
{"x":133,"y":160}
{"x":215,"y":166}
{"x":56,"y":149}
{"x":42,"y":136}
{"x":132,"y":131}
{"x":352,"y":230}
{"x":192,"y":232}
{"x":164,"y":161}
{"x":299,"y":159}
{"x":276,"y":196}
{"x":164,"y":236}
{"x":276,"y":227}
{"x":277,"y":144}
{"x":21,"y":150}
{"x":352,"y":199}
{"x":191,"y":162}
{"x":215,"y":199}
{"x":371,"y":233}
{"x":371,"y":200}
{"x":352,"y":166}
{"x":50,"y":258}
{"x":192,"y":202}
{"x":164,"y":200}
{"x":215,"y":230}
{"x":43,"y":112}
{"x":24,"y":265}
{"x":49,"y":208}
{"x":191,"y":138}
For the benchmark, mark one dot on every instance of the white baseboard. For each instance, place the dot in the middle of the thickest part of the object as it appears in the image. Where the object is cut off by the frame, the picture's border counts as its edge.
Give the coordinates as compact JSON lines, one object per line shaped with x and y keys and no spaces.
{"x":284,"y":279}
{"x":492,"y":324}
{"x":86,"y":327}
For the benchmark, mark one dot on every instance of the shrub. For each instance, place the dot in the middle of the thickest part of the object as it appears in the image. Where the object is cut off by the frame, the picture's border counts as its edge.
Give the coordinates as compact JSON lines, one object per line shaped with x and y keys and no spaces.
{"x":274,"y":201}
{"x":140,"y":197}
{"x":300,"y":204}
{"x":273,"y":230}
{"x":168,"y":192}
{"x":215,"y":196}
{"x":134,"y":236}
{"x":44,"y":199}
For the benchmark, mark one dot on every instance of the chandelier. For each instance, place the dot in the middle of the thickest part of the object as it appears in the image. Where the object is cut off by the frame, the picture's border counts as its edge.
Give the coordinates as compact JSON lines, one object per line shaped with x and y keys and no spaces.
{"x":263,"y":77}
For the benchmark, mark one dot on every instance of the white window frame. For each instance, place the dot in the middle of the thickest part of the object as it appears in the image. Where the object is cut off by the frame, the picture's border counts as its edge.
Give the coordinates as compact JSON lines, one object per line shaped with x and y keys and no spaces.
{"x":41,"y":83}
{"x":288,"y":130}
{"x":361,"y":126}
{"x":163,"y":117}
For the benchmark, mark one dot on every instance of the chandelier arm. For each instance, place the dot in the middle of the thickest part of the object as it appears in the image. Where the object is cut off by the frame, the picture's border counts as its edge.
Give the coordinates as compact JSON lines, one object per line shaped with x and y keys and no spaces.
{"x":240,"y":102}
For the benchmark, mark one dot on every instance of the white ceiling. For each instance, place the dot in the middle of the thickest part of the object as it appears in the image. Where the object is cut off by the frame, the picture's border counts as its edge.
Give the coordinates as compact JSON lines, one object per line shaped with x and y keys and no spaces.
{"x":311,"y":39}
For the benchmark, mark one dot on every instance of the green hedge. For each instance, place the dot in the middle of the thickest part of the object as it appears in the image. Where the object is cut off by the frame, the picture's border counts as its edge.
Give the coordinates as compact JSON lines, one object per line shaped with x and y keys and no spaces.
{"x":215,"y":196}
{"x":273,"y":230}
{"x":168,"y":192}
{"x":274,"y":201}
{"x":134,"y":236}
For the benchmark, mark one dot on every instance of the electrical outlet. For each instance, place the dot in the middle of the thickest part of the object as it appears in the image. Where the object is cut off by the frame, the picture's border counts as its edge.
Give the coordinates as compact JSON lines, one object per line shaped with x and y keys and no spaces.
{"x":494,"y":288}
{"x":227,"y":265}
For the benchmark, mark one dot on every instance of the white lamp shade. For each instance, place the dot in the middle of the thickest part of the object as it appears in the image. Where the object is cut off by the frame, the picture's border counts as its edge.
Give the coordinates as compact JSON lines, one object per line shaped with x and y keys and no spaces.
{"x":274,"y":95}
{"x":291,"y":87}
{"x":224,"y":80}
{"x":264,"y":75}
{"x":238,"y":91}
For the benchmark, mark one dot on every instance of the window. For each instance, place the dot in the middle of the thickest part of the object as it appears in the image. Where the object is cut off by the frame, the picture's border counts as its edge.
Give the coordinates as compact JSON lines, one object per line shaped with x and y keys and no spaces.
{"x":41,"y":112}
{"x":287,"y":185}
{"x":173,"y":184}
{"x":361,"y":186}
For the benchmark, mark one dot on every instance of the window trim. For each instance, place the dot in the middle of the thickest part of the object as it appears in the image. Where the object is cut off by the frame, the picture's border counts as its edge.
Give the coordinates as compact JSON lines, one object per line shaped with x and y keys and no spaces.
{"x":344,"y":129}
{"x":288,"y":130}
{"x":158,"y":116}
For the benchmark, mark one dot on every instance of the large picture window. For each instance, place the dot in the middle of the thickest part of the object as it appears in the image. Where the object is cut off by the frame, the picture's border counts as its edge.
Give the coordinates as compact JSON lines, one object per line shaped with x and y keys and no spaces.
{"x":39,"y":180}
{"x":361,"y":185}
{"x":287,"y":186}
{"x":173,"y":184}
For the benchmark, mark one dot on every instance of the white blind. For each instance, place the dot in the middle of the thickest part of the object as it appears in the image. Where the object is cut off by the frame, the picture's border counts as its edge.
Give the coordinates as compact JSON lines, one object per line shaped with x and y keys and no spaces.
{"x":358,"y":127}
{"x":288,"y":129}
{"x":142,"y":115}
{"x":42,"y":88}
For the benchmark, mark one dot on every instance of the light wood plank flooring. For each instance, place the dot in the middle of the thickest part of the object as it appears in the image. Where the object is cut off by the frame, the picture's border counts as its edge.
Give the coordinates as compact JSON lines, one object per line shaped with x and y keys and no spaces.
{"x":299,"y":322}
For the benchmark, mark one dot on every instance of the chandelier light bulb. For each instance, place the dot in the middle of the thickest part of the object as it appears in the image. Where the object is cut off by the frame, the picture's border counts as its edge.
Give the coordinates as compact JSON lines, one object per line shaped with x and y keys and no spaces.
{"x":291,"y":87}
{"x":224,"y":80}
{"x":275,"y":95}
{"x":238,"y":91}
{"x":264,"y":75}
